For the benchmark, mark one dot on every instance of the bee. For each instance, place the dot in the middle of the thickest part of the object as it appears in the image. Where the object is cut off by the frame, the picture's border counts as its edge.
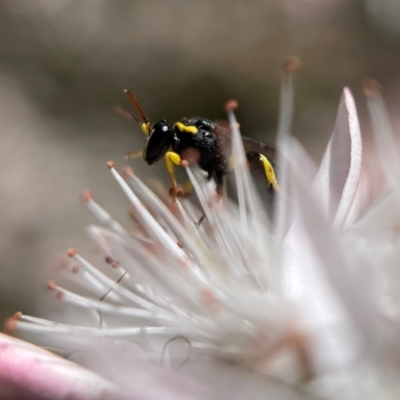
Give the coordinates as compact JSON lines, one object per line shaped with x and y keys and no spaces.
{"x":209,"y":140}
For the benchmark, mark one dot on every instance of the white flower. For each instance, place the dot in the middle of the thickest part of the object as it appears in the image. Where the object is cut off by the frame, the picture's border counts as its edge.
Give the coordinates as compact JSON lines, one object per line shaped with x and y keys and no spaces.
{"x":307,"y":299}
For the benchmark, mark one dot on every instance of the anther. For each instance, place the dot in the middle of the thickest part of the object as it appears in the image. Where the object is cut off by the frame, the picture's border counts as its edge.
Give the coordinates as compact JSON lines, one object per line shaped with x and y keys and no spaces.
{"x":185,"y":163}
{"x":51,"y":285}
{"x":231,"y":105}
{"x":180,"y":244}
{"x":71,"y":252}
{"x":292,"y":64}
{"x":127,"y":171}
{"x":371,"y":88}
{"x":178,"y":191}
{"x":86,"y":196}
{"x":111,"y":261}
{"x":76,"y":268}
{"x":11,"y":323}
{"x":110,"y":164}
{"x":17,"y":316}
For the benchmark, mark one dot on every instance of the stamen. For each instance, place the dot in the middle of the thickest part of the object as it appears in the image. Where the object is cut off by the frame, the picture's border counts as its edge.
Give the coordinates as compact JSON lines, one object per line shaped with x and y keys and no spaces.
{"x":290,"y":66}
{"x":250,"y":208}
{"x":102,"y":215}
{"x":239,"y":156}
{"x":110,"y":164}
{"x":203,"y":195}
{"x":57,"y":328}
{"x":112,"y":262}
{"x":371,"y":88}
{"x":383,"y":131}
{"x":11,"y":323}
{"x":51,"y":285}
{"x":149,"y":269}
{"x":152,"y":226}
{"x":231,"y":105}
{"x":185,"y":163}
{"x":98,"y":305}
{"x":83,"y":278}
{"x":111,"y":284}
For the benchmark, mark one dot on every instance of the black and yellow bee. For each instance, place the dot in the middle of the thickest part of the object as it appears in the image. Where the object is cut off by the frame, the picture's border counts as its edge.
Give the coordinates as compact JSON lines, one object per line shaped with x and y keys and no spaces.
{"x":210,"y":140}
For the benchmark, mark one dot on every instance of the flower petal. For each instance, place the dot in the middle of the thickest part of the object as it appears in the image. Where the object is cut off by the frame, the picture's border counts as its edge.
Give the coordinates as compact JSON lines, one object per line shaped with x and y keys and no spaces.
{"x":29,"y":372}
{"x":337,"y":179}
{"x":333,"y":262}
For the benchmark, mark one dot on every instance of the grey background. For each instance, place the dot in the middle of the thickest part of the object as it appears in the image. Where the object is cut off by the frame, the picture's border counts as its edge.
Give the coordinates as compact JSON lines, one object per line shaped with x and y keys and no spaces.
{"x":64,"y":63}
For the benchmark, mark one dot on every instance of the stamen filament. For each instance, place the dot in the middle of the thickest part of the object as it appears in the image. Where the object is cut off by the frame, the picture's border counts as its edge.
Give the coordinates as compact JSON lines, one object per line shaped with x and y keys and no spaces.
{"x":94,"y":331}
{"x":112,"y":285}
{"x":109,"y":308}
{"x":290,"y":66}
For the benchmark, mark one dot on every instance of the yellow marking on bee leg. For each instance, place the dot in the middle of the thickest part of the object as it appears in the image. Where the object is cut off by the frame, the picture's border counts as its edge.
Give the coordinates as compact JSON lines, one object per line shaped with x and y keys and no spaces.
{"x":172,"y":158}
{"x":184,"y":128}
{"x":269,"y":172}
{"x":133,"y":154}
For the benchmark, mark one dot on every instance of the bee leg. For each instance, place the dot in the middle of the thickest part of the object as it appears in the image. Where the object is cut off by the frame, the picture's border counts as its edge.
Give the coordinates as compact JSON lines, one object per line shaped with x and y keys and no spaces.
{"x":171,"y":159}
{"x":269,"y":172}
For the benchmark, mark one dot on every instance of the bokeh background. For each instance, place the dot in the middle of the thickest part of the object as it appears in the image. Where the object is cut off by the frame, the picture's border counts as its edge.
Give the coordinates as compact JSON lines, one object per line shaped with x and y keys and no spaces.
{"x":64,"y":63}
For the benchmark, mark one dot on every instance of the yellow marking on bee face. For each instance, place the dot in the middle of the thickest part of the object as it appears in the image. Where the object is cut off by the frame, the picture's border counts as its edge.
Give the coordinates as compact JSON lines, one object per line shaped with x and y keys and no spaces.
{"x":183,"y":128}
{"x":269,"y":172}
{"x":145,"y":128}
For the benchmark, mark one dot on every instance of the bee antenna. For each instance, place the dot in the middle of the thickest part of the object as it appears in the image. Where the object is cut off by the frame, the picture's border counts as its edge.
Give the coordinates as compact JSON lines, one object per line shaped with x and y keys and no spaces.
{"x":136,"y":105}
{"x":123,"y":113}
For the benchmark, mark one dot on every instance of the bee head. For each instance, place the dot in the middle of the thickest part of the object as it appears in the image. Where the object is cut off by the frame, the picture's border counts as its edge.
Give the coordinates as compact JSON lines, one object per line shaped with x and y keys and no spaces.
{"x":157,"y":143}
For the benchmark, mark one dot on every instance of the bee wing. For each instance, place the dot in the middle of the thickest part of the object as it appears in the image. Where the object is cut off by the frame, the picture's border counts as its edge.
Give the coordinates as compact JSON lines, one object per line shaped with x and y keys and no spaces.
{"x":252,"y":149}
{"x":251,"y":145}
{"x":222,"y":129}
{"x":223,"y":132}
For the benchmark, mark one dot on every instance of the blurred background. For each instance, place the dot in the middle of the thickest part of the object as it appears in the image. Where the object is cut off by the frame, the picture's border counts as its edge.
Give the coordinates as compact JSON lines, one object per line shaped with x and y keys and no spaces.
{"x":63,"y":65}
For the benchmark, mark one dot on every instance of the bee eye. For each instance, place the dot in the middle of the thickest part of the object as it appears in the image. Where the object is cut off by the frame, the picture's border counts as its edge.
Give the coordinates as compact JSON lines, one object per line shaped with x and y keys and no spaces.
{"x":158,"y":142}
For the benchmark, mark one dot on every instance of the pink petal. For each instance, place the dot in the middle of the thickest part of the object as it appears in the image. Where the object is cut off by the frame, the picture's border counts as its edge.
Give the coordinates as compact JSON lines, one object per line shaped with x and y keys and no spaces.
{"x":337,"y":179}
{"x":29,"y":372}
